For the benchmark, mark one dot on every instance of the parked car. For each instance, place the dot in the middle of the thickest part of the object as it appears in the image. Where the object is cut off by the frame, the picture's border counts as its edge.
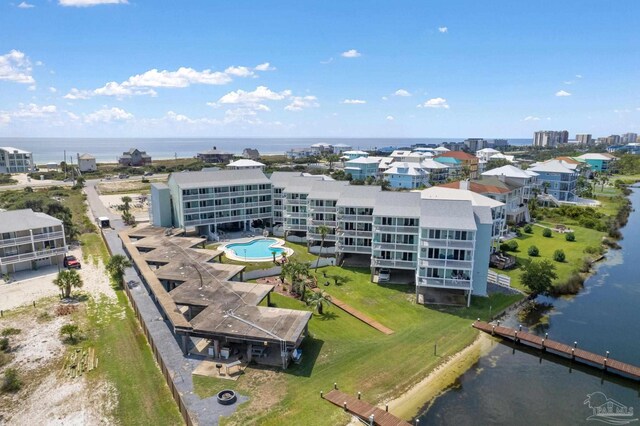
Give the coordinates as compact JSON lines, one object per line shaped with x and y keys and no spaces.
{"x":71,"y":262}
{"x":384,"y":275}
{"x":123,"y":176}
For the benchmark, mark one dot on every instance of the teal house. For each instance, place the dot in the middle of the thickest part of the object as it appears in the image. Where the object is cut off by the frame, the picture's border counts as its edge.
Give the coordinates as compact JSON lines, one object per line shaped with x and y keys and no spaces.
{"x":597,"y":162}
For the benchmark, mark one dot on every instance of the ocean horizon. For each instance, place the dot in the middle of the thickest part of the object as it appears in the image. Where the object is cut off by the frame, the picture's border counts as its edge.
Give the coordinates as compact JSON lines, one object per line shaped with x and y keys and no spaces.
{"x":107,"y":150}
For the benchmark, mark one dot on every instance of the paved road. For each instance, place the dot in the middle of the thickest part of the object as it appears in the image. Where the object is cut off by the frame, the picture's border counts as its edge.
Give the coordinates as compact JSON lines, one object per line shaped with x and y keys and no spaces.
{"x":205,"y":412}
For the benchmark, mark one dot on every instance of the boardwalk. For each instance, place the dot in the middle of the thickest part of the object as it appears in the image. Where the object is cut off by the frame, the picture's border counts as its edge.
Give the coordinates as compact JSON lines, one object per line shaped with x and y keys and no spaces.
{"x":580,"y":355}
{"x":363,"y":409}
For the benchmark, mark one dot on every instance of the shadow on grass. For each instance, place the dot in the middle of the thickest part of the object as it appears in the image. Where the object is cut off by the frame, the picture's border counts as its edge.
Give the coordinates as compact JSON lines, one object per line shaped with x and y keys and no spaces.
{"x":310,"y":350}
{"x":326,"y":316}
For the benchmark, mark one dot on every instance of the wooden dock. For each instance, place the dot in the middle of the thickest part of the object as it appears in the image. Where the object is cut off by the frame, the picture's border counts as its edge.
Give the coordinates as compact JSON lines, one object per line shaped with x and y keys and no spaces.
{"x":363,"y":410}
{"x":567,"y":351}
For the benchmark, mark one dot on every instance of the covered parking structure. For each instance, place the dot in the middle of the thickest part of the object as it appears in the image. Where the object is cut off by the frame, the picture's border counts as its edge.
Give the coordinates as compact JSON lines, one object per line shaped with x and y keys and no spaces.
{"x":211,"y":313}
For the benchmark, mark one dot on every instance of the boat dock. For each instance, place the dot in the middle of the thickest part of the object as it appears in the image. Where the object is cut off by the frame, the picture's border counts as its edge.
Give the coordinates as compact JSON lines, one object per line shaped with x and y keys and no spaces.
{"x":370,"y":414}
{"x":561,"y":349}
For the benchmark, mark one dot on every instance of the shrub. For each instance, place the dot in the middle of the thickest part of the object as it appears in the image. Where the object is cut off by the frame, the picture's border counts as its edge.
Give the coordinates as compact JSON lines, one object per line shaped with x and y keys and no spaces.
{"x":572,"y":286}
{"x":11,"y":331}
{"x":559,"y":256}
{"x":528,"y":229}
{"x":4,"y":344}
{"x":533,"y":251}
{"x":11,"y":382}
{"x":586,"y":265}
{"x":570,"y":236}
{"x":610,"y":243}
{"x":546,"y":233}
{"x":518,"y":232}
{"x":509,"y":246}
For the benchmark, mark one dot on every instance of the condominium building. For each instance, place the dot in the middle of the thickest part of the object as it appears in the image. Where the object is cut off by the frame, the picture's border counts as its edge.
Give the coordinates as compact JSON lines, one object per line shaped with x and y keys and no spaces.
{"x":550,"y":138}
{"x":364,"y":225}
{"x":29,"y":240}
{"x":584,"y":139}
{"x":475,"y":144}
{"x":629,"y":138}
{"x":14,"y":160}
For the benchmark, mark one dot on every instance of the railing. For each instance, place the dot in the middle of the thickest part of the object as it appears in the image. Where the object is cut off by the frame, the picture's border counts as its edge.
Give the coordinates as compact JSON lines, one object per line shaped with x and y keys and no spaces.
{"x":395,"y":246}
{"x":445,"y":283}
{"x":322,"y":209}
{"x":295,"y":201}
{"x":328,"y":223}
{"x":449,"y":263}
{"x":354,"y":217}
{"x":33,"y":255}
{"x":353,"y":249}
{"x":396,"y":229}
{"x":499,"y":279}
{"x":354,"y":233}
{"x":15,"y":241}
{"x":394,"y":263}
{"x":48,"y":236}
{"x":433,"y":243}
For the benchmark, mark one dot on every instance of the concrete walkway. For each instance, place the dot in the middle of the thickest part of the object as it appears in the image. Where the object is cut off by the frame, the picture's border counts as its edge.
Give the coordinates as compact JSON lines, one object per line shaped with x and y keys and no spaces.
{"x":204,"y":412}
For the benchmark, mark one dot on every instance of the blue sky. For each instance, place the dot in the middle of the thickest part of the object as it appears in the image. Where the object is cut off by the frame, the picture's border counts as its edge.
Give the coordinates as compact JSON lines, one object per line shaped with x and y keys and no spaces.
{"x":318,"y":68}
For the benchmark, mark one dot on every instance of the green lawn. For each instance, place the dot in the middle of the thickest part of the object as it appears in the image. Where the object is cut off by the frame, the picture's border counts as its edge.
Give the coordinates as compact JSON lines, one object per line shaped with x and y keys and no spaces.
{"x":93,"y":247}
{"x":344,"y":350}
{"x":574,"y":251}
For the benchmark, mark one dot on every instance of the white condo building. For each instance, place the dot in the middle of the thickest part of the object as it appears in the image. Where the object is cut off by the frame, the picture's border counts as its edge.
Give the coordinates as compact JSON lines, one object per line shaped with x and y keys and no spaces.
{"x":14,"y":160}
{"x":384,"y":230}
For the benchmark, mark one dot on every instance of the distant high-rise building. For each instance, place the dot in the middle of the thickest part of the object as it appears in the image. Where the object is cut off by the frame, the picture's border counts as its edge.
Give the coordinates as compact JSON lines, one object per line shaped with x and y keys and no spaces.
{"x":475,"y":144}
{"x":550,"y":138}
{"x":629,"y":138}
{"x":613,"y":140}
{"x":601,"y":141}
{"x":584,"y":139}
{"x":499,"y":143}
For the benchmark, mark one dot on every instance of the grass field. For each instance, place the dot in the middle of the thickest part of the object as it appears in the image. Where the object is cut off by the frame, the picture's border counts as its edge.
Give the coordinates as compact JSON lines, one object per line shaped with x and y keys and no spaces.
{"x":344,"y":350}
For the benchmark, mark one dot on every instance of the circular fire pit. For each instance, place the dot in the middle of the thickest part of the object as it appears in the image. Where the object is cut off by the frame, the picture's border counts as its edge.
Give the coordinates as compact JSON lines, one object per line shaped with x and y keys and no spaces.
{"x":226,"y":397}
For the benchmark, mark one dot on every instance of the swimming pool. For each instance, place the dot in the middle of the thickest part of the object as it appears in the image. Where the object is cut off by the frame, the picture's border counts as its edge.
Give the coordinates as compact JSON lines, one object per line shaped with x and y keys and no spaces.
{"x":256,"y":250}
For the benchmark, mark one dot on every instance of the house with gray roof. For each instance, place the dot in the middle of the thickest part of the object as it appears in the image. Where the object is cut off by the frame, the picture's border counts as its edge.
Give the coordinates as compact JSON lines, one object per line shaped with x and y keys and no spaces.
{"x":134,"y":157}
{"x":215,"y":155}
{"x":29,"y":240}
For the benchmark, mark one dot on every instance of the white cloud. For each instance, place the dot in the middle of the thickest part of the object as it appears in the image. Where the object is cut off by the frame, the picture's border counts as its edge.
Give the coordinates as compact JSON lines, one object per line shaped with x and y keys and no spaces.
{"x":390,"y":118}
{"x":435,"y":103}
{"x":264,"y":67}
{"x":531,"y":118}
{"x":107,"y":115}
{"x":298,"y":103}
{"x":578,"y":75}
{"x":568,"y":82}
{"x":621,"y":111}
{"x":401,"y":92}
{"x":28,"y":111}
{"x":53,"y":89}
{"x":352,"y":53}
{"x":31,"y":88}
{"x":25,"y":5}
{"x":16,"y":67}
{"x":260,"y":94}
{"x":384,"y":98}
{"x":87,"y":3}
{"x":328,"y":61}
{"x":563,"y":93}
{"x":142,"y":84}
{"x":353,"y":101}
{"x":443,"y":29}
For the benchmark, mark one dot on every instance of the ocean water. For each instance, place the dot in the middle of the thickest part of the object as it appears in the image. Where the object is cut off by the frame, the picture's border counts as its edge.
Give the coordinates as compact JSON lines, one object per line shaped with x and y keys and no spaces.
{"x":47,"y":150}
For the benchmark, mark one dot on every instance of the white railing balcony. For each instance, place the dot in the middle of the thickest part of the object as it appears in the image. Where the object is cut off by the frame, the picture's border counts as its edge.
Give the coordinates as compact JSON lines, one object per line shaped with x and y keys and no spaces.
{"x":323,"y":209}
{"x":327,"y":223}
{"x":445,"y":283}
{"x":394,"y":263}
{"x":459,"y":244}
{"x":190,"y":197}
{"x":448,"y":263}
{"x":15,"y":241}
{"x":395,"y":229}
{"x":295,"y":201}
{"x":48,"y":236}
{"x":353,"y":249}
{"x":32,"y":255}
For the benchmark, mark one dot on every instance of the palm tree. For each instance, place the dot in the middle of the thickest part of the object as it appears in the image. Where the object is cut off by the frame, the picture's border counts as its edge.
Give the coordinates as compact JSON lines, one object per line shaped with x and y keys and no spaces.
{"x":297,"y":273}
{"x":67,"y":279}
{"x":116,"y":266}
{"x":318,"y":299}
{"x":332,"y":158}
{"x":546,"y":186}
{"x":603,"y":180}
{"x":323,"y":231}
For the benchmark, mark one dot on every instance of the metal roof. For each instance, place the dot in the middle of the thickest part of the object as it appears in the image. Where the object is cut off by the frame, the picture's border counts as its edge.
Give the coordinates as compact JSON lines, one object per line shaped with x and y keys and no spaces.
{"x":186,"y":180}
{"x":397,"y":204}
{"x":359,"y":196}
{"x":25,"y":219}
{"x":447,"y":214}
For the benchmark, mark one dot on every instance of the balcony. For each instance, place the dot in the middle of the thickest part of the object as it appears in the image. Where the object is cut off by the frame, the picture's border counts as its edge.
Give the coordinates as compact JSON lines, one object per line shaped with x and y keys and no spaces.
{"x":48,"y":236}
{"x":353,"y":249}
{"x":446,"y":263}
{"x":445,"y":283}
{"x":393,"y":263}
{"x":327,"y":223}
{"x":396,"y":229}
{"x":27,"y":239}
{"x":295,"y":201}
{"x":322,"y":209}
{"x":32,"y":256}
{"x":15,"y":241}
{"x":395,"y":246}
{"x":459,"y":244}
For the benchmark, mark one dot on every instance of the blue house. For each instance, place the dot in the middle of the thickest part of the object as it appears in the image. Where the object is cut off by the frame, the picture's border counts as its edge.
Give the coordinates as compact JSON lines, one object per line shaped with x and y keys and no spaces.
{"x":407,"y":176}
{"x":352,"y":155}
{"x":362,"y":167}
{"x":598,"y":162}
{"x":556,"y":179}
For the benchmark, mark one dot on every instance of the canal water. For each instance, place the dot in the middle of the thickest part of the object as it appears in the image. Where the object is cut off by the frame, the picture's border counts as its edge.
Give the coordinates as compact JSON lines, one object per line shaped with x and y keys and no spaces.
{"x":509,"y":386}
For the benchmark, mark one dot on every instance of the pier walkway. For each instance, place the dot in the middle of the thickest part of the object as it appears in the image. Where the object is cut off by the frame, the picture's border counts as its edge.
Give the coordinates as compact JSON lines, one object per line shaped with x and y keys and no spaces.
{"x":571,"y":352}
{"x":363,"y":410}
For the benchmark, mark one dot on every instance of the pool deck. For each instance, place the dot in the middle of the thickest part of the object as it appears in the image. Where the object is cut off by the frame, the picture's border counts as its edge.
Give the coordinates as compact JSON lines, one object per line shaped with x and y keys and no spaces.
{"x":230,"y":254}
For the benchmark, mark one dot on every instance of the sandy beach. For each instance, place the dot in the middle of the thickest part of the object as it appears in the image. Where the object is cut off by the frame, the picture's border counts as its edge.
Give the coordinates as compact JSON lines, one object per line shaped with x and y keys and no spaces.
{"x":408,"y":405}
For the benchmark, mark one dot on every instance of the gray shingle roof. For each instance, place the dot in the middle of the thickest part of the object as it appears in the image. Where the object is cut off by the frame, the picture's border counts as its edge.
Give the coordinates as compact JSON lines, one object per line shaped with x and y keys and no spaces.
{"x":187,"y":180}
{"x":397,"y":204}
{"x":20,"y":220}
{"x":448,"y":214}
